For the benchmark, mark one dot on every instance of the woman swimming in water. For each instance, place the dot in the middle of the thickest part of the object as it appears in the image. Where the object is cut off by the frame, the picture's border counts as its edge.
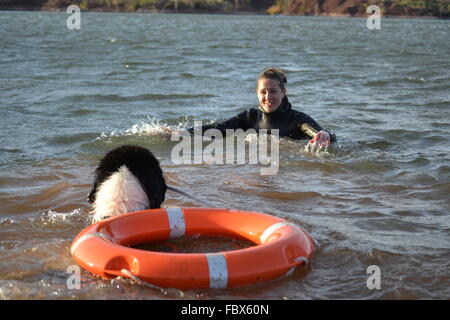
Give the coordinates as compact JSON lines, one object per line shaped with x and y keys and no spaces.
{"x":275,"y":112}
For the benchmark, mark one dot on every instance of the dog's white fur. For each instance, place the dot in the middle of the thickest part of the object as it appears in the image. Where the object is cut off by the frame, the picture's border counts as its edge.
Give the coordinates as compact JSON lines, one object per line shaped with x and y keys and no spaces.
{"x":120,"y":193}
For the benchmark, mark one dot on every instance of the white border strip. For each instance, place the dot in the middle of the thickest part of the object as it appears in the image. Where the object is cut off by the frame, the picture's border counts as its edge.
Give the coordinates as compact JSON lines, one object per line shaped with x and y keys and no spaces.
{"x":268,"y":232}
{"x":176,"y":222}
{"x":218,"y":270}
{"x":88,"y":236}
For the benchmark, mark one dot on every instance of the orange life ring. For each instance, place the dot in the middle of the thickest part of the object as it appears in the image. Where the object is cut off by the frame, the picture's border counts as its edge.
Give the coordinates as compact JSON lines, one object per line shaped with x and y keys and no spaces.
{"x":104,"y":248}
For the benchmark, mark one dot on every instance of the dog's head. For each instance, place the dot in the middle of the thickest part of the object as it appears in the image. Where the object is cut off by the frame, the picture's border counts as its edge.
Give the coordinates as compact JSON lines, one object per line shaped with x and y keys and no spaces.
{"x":127,"y":179}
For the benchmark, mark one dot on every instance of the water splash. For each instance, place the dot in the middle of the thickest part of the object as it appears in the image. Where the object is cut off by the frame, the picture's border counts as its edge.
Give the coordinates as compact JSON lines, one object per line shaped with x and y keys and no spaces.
{"x":46,"y":219}
{"x":153,"y":127}
{"x":316,"y":148}
{"x":53,"y":217}
{"x":148,"y":129}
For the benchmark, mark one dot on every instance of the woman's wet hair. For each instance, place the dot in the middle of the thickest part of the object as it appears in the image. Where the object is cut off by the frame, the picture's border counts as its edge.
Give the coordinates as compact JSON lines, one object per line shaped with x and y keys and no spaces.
{"x":274,"y":74}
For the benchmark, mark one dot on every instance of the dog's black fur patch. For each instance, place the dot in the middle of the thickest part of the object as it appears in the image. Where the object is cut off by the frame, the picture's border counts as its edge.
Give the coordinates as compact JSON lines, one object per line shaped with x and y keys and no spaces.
{"x":141,"y":163}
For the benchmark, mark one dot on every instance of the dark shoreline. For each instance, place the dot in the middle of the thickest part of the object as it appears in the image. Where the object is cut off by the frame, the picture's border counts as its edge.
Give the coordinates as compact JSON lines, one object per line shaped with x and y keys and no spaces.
{"x":197,"y":11}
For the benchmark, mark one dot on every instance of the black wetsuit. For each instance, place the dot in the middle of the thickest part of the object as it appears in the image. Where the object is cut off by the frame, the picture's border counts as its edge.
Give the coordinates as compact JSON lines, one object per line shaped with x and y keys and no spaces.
{"x":288,"y":121}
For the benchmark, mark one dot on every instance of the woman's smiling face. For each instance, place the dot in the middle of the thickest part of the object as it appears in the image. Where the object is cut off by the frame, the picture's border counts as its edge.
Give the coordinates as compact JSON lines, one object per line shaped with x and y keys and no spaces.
{"x":270,"y":94}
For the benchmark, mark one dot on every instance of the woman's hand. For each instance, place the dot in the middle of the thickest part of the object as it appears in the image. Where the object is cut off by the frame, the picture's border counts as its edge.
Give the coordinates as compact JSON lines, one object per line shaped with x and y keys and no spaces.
{"x":322,"y":139}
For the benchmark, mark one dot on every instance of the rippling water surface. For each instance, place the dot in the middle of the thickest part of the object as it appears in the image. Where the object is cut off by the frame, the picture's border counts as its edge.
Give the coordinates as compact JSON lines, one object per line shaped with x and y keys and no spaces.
{"x":379,"y":197}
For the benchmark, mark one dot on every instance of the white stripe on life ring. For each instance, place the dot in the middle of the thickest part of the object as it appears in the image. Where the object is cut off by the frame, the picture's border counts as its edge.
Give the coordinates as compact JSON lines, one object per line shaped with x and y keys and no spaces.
{"x":176,"y":222}
{"x":218,"y":271}
{"x":268,"y":232}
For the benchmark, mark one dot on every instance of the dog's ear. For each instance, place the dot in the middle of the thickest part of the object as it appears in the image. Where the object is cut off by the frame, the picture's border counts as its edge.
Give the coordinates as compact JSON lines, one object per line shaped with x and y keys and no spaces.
{"x":155,"y":190}
{"x":91,"y":196}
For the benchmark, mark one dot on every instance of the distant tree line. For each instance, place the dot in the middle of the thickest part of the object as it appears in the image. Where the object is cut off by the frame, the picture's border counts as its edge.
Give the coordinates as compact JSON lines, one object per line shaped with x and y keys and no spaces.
{"x":156,"y":5}
{"x":437,"y":8}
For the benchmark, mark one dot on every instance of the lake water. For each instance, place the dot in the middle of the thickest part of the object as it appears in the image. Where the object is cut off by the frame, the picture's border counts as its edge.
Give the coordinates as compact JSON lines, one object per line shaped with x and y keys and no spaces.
{"x":379,"y":197}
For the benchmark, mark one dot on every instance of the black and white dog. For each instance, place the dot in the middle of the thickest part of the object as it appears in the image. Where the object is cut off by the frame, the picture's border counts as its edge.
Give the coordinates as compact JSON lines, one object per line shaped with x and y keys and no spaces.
{"x":127,"y":179}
